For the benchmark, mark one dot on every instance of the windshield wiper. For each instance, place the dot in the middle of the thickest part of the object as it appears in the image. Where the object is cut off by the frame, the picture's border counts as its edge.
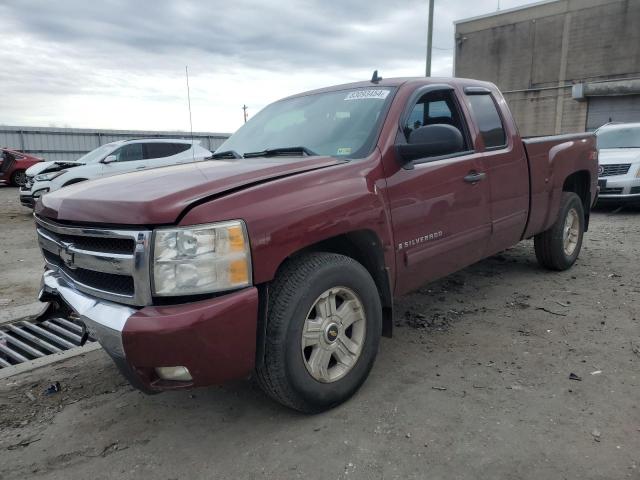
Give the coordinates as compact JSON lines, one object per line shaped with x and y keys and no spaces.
{"x":281,"y":152}
{"x":226,"y":154}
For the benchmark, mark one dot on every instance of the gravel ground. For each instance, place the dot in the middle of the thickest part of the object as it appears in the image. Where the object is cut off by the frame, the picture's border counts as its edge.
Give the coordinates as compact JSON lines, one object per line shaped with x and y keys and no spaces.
{"x":475,"y":384}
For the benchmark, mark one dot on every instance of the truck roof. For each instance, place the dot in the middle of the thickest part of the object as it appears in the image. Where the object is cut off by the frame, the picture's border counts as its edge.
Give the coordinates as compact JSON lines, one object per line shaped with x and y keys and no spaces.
{"x":398,"y":81}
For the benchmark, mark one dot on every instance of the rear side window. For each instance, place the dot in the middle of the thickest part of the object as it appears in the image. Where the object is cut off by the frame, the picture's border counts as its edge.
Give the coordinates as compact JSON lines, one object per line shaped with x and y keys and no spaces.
{"x":488,"y":119}
{"x":181,"y":147}
{"x":159,"y":150}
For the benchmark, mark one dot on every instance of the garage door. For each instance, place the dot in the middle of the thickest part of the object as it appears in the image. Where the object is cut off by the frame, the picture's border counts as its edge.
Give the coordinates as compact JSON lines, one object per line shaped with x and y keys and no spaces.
{"x":612,"y":109}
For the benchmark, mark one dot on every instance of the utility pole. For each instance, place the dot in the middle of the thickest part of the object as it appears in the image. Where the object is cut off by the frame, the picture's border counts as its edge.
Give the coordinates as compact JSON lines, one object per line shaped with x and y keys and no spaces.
{"x":244,"y":108}
{"x":429,"y":38}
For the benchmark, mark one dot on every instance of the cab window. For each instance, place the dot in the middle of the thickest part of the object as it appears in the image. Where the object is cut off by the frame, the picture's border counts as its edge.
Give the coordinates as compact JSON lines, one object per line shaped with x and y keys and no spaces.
{"x":436,"y":108}
{"x":486,"y":115}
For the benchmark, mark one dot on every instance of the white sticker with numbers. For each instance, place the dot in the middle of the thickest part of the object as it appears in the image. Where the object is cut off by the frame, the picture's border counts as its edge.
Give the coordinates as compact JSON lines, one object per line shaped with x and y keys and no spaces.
{"x":367,"y":93}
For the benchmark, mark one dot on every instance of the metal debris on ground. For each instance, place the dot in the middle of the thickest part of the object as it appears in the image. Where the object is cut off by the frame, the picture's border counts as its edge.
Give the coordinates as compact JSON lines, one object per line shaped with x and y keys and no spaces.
{"x":23,"y":341}
{"x":53,"y":388}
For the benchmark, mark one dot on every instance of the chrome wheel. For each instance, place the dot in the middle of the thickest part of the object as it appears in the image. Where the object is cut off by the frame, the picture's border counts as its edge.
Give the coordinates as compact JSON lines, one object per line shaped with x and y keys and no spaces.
{"x":333,"y":334}
{"x":571,"y":232}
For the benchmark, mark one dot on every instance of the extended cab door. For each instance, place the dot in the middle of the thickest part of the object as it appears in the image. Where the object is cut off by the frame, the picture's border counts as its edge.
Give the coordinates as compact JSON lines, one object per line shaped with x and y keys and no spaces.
{"x":439,"y":204}
{"x":505,"y":163}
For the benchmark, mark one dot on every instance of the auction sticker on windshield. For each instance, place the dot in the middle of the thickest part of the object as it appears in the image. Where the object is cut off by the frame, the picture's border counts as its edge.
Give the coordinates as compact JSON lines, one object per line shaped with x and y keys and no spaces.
{"x":369,"y":93}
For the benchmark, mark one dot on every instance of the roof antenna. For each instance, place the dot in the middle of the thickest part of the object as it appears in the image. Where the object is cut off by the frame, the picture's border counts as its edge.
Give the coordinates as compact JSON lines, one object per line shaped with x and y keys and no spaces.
{"x":375,"y":78}
{"x":193,"y":147}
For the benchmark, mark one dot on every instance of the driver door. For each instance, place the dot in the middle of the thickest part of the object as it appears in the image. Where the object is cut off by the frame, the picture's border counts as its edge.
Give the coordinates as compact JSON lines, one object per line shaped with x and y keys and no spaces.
{"x":439,"y":204}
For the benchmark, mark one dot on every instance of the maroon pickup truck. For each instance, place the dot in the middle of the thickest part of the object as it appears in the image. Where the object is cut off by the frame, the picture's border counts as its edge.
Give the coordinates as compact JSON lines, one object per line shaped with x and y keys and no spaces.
{"x":281,"y":256}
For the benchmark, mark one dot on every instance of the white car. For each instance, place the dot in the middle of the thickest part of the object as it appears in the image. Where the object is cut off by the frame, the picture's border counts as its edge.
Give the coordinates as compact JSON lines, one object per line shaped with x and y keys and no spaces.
{"x":619,"y":156}
{"x":110,"y":159}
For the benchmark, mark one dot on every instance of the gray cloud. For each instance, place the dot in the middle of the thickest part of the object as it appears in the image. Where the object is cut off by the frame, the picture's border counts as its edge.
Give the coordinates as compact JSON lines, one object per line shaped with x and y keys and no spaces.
{"x":78,"y":46}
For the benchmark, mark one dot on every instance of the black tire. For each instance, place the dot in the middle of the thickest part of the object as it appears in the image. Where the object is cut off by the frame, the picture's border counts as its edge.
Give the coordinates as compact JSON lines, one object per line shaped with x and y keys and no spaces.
{"x":550,"y":245}
{"x":283,"y":374}
{"x":18,"y":178}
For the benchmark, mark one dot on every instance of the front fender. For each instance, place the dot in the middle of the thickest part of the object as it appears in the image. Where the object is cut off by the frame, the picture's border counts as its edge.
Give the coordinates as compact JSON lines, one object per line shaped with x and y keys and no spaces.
{"x":286,"y":215}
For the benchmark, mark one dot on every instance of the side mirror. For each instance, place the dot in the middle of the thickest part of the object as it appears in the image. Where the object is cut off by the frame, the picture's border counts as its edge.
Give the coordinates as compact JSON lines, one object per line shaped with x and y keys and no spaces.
{"x":109,"y":159}
{"x":431,"y":141}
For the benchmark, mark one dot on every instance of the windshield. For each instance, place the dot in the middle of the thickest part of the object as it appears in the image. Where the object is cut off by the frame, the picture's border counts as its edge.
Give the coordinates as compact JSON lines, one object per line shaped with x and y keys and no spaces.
{"x":98,"y":154}
{"x":621,"y":137}
{"x":342,"y":123}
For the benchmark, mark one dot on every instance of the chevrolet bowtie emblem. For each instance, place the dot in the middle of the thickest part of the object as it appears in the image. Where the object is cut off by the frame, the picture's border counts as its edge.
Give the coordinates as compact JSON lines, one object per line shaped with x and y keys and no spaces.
{"x":66,"y":256}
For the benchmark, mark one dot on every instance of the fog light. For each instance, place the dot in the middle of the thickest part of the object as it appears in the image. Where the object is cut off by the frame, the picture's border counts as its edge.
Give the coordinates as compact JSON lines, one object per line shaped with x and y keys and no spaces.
{"x":180,"y":374}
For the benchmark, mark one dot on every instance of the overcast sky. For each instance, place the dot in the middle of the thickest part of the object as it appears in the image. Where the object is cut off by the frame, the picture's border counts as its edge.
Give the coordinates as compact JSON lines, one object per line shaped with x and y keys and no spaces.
{"x":120,"y":63}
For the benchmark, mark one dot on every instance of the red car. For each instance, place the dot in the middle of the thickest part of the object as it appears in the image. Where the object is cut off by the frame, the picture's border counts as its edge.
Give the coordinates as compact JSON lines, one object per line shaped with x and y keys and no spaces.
{"x":13,"y":165}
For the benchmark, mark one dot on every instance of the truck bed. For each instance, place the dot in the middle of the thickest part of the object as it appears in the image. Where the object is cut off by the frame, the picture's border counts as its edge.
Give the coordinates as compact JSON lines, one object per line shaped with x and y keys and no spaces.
{"x":550,"y":159}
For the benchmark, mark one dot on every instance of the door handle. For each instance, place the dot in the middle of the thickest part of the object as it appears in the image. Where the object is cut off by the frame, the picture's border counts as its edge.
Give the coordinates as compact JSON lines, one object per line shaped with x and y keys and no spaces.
{"x":140,"y":168}
{"x":474,"y":177}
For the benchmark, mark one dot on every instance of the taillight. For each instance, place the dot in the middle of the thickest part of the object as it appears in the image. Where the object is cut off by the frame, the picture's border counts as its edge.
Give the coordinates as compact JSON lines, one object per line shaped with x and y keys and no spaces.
{"x":593,"y":155}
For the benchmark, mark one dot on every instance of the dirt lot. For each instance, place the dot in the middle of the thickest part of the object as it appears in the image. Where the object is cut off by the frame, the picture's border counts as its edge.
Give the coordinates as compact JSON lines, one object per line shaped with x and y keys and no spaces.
{"x":475,"y":384}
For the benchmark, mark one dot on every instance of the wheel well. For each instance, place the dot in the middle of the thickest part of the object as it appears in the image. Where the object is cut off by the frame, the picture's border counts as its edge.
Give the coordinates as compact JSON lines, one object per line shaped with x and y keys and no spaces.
{"x":75,"y":180}
{"x":580,"y":184}
{"x":365,"y":247}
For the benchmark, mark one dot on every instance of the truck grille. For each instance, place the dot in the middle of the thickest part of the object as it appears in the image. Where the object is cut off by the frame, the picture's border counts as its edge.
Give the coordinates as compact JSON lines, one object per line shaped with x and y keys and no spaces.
{"x":616,"y":169}
{"x":110,"y":264}
{"x":611,"y":191}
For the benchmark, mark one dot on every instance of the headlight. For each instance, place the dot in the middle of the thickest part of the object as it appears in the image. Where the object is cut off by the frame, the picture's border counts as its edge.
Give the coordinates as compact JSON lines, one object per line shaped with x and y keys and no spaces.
{"x":201,"y":259}
{"x":46,"y":177}
{"x":638,"y":174}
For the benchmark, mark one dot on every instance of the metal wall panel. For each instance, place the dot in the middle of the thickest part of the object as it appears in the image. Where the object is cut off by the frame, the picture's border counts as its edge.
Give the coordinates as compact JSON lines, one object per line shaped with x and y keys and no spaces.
{"x":71,"y":143}
{"x":612,"y":109}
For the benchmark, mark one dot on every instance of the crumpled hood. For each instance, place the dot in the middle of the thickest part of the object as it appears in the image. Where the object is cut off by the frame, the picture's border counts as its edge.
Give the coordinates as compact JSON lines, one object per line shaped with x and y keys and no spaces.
{"x":610,"y":156}
{"x":160,"y":195}
{"x":46,"y":167}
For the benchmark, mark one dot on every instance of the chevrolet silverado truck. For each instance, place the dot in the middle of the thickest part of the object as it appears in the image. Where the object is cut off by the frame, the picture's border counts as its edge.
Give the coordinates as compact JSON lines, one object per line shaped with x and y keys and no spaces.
{"x":281,"y":255}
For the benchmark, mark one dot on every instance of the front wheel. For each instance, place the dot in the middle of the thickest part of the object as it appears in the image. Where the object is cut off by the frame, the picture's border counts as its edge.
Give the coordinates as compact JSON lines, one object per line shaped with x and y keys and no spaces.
{"x":324,"y":324}
{"x":558,"y":248}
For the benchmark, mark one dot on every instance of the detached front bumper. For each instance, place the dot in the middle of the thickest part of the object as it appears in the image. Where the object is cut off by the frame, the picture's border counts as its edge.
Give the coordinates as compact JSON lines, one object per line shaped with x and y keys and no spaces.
{"x":214,"y":339}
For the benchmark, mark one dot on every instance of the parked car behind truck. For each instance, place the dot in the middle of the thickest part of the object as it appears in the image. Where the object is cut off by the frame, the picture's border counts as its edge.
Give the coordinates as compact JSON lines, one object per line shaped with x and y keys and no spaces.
{"x":283,"y":257}
{"x":14,"y":164}
{"x":112,"y":158}
{"x":619,"y":156}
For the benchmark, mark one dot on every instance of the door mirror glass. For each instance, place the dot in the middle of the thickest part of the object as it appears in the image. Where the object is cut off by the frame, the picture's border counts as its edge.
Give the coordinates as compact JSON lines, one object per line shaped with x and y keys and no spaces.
{"x":110,"y":159}
{"x":431,"y":141}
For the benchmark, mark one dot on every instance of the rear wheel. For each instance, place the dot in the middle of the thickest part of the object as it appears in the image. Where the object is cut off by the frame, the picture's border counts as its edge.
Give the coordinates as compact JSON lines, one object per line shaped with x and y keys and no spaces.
{"x":18,"y":178}
{"x":559,"y":247}
{"x":323,"y":329}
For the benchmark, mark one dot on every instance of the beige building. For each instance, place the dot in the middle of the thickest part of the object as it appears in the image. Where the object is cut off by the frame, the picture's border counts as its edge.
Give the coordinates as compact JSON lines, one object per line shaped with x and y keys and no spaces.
{"x":563,"y":65}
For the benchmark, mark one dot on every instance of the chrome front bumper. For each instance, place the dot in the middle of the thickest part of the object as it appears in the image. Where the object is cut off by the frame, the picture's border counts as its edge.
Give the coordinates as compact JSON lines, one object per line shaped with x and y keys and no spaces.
{"x":104,"y":320}
{"x":620,"y":187}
